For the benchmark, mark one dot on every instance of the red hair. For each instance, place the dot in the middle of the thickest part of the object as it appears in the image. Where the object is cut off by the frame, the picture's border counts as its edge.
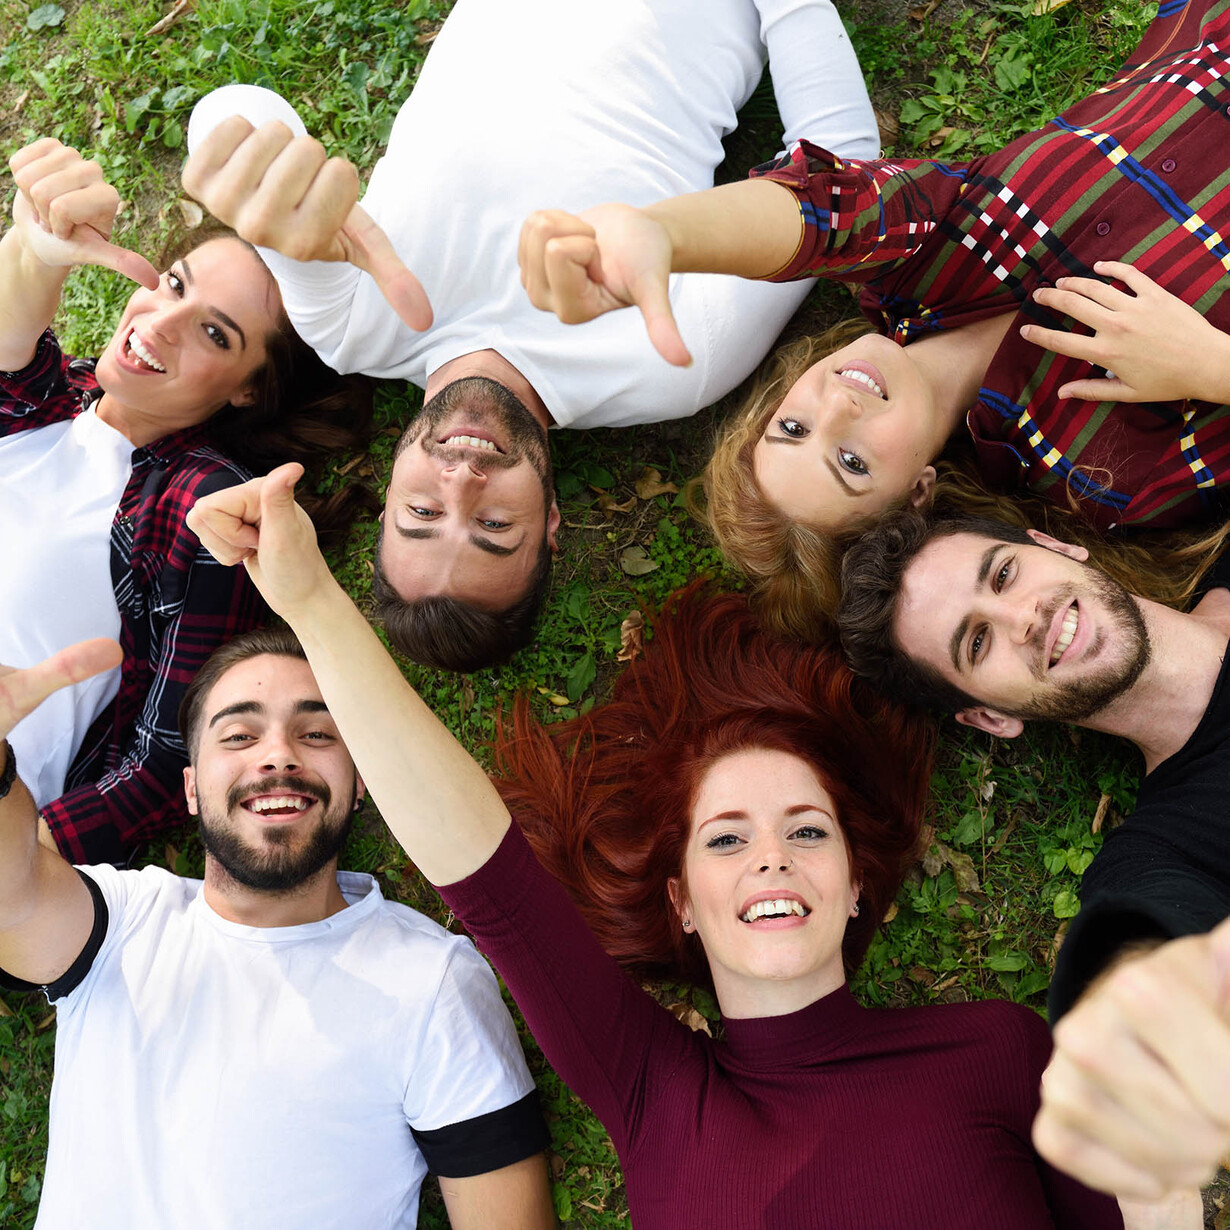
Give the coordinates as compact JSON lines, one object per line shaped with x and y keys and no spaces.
{"x":605,"y":799}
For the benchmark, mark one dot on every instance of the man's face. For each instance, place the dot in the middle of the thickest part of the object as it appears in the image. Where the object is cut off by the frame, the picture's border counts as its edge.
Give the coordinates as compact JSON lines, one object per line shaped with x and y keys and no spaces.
{"x":271,"y":781}
{"x":1029,"y":629}
{"x":469,"y":499}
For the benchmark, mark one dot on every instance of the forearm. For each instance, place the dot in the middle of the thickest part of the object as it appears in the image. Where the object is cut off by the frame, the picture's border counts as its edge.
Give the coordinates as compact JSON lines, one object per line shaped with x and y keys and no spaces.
{"x":29,"y":296}
{"x":751,"y":229}
{"x":18,"y":847}
{"x":436,"y":800}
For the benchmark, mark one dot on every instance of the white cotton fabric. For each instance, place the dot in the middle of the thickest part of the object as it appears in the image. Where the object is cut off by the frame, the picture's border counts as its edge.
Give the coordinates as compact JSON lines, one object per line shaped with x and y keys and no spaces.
{"x":214,"y":1076}
{"x":60,"y":486}
{"x":565,"y":105}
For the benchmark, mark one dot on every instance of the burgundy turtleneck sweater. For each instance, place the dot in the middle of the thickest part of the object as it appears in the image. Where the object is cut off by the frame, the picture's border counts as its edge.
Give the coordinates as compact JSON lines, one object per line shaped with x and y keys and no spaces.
{"x":836,"y":1117}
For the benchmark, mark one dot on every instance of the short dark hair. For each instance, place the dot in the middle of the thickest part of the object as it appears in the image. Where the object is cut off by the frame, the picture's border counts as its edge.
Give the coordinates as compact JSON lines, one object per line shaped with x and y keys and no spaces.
{"x":277,"y":640}
{"x":872,"y":574}
{"x":451,"y":635}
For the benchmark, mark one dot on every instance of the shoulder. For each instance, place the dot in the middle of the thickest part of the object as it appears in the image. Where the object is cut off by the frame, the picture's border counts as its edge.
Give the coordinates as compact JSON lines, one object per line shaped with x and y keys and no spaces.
{"x":993,"y":1027}
{"x":131,"y":892}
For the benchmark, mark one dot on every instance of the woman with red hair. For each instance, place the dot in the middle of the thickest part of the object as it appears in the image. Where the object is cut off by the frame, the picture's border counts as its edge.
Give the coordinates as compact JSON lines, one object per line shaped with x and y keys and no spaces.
{"x":740,"y":812}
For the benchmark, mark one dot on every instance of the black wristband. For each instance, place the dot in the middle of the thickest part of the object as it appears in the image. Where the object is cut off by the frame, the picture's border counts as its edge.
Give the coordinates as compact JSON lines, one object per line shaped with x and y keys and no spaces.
{"x":9,"y":776}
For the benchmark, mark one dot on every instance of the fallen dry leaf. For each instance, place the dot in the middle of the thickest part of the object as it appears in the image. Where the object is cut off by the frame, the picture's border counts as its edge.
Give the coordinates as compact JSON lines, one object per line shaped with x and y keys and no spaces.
{"x":1100,"y":815}
{"x":557,"y":1167}
{"x":1057,"y":942}
{"x":963,"y":873}
{"x":890,"y":913}
{"x":5,"y":1010}
{"x":46,"y":1023}
{"x":556,"y":699}
{"x":1005,"y":833}
{"x":467,"y":696}
{"x":165,"y":23}
{"x":650,"y":484}
{"x":191,"y":213}
{"x":921,"y":975}
{"x":933,"y":861}
{"x":170,"y":853}
{"x":635,"y":561}
{"x":631,"y":637}
{"x":690,"y":1017}
{"x":888,"y":124}
{"x":609,"y":505}
{"x":941,"y":135}
{"x":1042,"y":7}
{"x":987,"y":791}
{"x":920,"y":12}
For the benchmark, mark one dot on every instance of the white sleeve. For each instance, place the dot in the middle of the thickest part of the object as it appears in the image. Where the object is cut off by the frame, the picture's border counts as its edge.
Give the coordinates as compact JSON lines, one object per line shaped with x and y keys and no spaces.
{"x":469,"y":1061}
{"x":816,"y":78}
{"x":318,"y":295}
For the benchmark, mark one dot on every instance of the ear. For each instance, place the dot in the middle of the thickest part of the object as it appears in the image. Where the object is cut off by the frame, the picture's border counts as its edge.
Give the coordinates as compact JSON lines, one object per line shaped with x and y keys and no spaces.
{"x":856,"y":891}
{"x":923,"y":489}
{"x":553,"y":520}
{"x":243,"y":397}
{"x":360,"y":790}
{"x":679,"y":899}
{"x":190,"y":790}
{"x":1063,"y":548}
{"x":993,"y":722}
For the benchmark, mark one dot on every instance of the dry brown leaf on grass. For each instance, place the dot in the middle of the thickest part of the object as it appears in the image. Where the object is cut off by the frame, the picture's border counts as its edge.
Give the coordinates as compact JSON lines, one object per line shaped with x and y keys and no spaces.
{"x":690,"y":1017}
{"x":920,"y":12}
{"x":609,"y":505}
{"x":46,"y":1023}
{"x":890,"y":913}
{"x":164,"y":24}
{"x":191,"y":213}
{"x":467,"y":696}
{"x":635,"y":561}
{"x":941,"y":135}
{"x":650,"y":484}
{"x":1057,"y":942}
{"x":5,"y":1010}
{"x":1099,"y":816}
{"x":1042,"y":7}
{"x":889,"y":125}
{"x":963,"y":873}
{"x":631,"y":637}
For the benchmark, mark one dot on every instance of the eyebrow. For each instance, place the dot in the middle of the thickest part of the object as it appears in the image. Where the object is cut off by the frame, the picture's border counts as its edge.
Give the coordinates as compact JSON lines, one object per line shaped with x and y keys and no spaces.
{"x":796,"y":810}
{"x":984,"y":568}
{"x":222,"y":316}
{"x":849,"y":490}
{"x":483,"y":544}
{"x":241,"y":707}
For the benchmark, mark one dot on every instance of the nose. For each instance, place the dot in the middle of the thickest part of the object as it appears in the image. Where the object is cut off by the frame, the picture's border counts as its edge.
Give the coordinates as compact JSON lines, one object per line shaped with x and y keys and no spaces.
{"x":1021,"y":614}
{"x":168,"y":321}
{"x":278,"y":754}
{"x":464,"y":476}
{"x":774,"y":855}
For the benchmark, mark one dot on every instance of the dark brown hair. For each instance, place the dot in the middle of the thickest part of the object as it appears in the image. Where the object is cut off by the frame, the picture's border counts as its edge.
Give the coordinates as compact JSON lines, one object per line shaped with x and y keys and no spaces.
{"x":605,"y":799}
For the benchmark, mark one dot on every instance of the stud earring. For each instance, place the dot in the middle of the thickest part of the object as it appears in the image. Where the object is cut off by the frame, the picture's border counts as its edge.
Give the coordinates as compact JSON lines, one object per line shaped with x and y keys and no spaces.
{"x":687,"y":924}
{"x":854,"y":912}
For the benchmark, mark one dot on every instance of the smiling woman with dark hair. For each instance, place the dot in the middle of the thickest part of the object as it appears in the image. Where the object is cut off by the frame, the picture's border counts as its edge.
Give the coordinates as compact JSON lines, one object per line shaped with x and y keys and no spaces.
{"x":739,"y":814}
{"x":99,"y":462}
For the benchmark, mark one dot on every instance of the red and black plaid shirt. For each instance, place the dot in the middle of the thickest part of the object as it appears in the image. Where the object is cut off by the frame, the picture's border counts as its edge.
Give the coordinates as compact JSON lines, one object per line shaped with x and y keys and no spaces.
{"x":177,"y":605}
{"x":1137,"y":172}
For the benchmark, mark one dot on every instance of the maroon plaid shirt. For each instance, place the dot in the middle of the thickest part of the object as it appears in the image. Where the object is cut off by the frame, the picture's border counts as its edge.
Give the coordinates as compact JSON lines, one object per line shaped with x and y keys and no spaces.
{"x":177,"y":605}
{"x":1138,"y":172}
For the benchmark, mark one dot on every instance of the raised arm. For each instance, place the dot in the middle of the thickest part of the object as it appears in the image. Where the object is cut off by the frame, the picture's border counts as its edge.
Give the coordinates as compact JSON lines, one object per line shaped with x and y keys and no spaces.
{"x":45,"y":910}
{"x":434,"y":797}
{"x":62,"y":216}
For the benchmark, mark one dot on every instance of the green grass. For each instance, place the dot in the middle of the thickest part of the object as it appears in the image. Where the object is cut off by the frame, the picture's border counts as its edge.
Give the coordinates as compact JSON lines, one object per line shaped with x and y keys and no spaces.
{"x":1012,"y":820}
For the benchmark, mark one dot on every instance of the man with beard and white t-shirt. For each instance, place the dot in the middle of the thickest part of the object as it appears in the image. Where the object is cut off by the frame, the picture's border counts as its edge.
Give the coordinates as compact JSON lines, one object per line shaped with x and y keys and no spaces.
{"x":276,"y":1045}
{"x":1001,"y":625}
{"x":541,"y":103}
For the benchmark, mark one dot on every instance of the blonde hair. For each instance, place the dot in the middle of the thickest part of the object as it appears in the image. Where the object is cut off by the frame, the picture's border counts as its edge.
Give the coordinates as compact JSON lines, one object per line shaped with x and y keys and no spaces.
{"x":795,"y":569}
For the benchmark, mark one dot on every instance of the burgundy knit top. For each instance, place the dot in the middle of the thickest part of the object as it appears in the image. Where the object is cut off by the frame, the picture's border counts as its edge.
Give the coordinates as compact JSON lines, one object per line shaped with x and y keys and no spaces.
{"x":837,"y":1116}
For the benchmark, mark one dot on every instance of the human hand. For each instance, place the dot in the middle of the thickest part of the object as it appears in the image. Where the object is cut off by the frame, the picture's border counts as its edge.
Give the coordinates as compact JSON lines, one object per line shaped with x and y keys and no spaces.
{"x":64,"y":211}
{"x":582,"y":265}
{"x":259,"y":525}
{"x":1157,"y":347}
{"x":1136,"y":1098}
{"x":22,"y":691}
{"x":282,"y":192}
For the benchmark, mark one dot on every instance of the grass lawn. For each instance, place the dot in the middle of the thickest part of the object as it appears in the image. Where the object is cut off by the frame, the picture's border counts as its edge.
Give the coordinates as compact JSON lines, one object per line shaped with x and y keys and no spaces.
{"x":1014,"y":822}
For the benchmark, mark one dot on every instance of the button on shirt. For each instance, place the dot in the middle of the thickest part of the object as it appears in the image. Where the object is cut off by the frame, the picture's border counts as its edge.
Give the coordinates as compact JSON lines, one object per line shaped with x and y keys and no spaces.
{"x":938,"y":246}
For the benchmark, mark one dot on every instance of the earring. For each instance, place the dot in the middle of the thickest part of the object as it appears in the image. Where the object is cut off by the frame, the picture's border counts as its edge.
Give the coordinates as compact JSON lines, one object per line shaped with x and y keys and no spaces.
{"x":687,"y":924}
{"x":854,"y":912}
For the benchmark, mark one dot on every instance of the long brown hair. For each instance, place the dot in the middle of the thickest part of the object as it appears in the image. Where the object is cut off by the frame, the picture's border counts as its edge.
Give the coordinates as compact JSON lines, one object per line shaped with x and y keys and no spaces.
{"x":795,"y":569}
{"x":605,"y":799}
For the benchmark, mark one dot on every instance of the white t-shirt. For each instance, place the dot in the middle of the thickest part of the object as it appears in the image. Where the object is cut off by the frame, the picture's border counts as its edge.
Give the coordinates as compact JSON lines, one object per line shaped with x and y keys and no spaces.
{"x":556,"y":104}
{"x":59,"y":488}
{"x":214,"y":1076}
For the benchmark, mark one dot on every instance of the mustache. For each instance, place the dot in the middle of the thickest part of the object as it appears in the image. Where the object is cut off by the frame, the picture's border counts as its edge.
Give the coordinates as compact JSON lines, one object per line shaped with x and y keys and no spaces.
{"x":284,"y":784}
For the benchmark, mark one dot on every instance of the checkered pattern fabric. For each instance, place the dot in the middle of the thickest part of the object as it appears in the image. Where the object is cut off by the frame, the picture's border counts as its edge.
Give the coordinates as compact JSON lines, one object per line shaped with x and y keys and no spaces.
{"x":177,"y":605}
{"x":1137,"y":172}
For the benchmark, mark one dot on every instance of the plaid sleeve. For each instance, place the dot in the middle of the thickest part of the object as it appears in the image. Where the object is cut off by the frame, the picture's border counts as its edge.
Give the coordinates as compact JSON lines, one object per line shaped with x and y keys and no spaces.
{"x":47,"y":390}
{"x":860,"y":217}
{"x":198,"y":606}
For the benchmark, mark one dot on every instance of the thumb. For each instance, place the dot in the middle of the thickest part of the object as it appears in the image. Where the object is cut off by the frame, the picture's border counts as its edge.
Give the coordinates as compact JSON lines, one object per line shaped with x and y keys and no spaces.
{"x":99,"y":251}
{"x":368,"y":247}
{"x":22,"y":691}
{"x":651,"y":294}
{"x":278,"y":495}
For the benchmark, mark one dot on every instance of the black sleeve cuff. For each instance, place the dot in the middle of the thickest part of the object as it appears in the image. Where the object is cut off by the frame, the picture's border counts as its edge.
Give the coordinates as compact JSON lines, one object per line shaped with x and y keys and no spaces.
{"x":71,"y":978}
{"x":487,"y":1142}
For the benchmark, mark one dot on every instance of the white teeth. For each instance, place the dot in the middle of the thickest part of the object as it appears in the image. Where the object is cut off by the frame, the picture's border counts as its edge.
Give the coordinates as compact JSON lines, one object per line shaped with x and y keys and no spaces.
{"x":1066,"y":633}
{"x":138,"y":347}
{"x":853,"y":373}
{"x":279,"y":803}
{"x":471,"y":442}
{"x":779,"y":907}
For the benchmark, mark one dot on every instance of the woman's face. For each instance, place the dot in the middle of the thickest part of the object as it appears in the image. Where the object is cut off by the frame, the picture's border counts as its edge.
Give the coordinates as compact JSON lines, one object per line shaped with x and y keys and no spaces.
{"x":853,"y":436}
{"x":183,"y":351}
{"x":767,"y":883}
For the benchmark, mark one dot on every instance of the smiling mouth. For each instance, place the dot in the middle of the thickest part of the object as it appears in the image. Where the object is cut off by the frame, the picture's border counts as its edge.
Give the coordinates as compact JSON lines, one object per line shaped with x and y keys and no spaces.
{"x":137,"y":352}
{"x":278,"y":805}
{"x":1070,"y":623}
{"x":865,"y":378}
{"x":782,"y":907}
{"x":469,"y":441}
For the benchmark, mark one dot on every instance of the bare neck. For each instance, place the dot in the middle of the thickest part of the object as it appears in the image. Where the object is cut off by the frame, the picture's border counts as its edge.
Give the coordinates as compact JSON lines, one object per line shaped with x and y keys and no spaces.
{"x":955,"y":362}
{"x":137,"y":426}
{"x":493,"y":366}
{"x":314,"y":900}
{"x":1162,"y":709}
